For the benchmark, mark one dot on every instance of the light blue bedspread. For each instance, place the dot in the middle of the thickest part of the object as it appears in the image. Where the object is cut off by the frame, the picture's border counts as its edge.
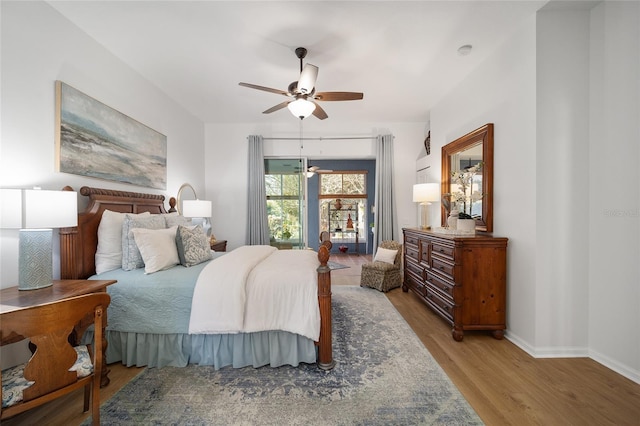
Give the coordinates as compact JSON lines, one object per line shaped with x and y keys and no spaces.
{"x":148,"y":325}
{"x":158,"y":303}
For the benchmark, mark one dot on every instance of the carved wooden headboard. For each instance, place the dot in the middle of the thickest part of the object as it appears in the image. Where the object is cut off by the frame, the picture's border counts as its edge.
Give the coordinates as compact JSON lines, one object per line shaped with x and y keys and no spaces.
{"x":78,"y":245}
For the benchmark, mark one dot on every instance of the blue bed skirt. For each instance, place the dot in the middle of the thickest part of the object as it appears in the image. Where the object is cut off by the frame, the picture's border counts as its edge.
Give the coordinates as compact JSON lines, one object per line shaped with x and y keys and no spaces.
{"x":274,"y":348}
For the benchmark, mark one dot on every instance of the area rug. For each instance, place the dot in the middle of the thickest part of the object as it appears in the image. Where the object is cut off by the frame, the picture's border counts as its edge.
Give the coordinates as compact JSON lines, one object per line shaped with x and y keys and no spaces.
{"x":336,"y":265}
{"x":383,"y":375}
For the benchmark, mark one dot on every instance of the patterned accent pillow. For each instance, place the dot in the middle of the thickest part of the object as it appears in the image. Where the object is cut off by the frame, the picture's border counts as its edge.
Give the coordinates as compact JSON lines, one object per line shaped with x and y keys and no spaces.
{"x":174,"y":219}
{"x":131,"y":257}
{"x":14,"y":383}
{"x":193,"y":245}
{"x":83,"y":365}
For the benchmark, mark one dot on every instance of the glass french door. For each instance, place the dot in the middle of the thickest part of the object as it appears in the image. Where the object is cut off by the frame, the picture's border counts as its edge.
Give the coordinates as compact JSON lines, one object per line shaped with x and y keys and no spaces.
{"x":285,"y":183}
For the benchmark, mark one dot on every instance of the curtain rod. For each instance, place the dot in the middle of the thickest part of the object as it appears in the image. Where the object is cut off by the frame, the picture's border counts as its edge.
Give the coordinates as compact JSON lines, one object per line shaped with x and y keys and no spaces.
{"x":320,"y":138}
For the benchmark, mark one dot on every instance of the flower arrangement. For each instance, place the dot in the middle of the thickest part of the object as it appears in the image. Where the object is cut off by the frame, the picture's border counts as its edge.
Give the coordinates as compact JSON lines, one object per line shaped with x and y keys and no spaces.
{"x":465,"y":196}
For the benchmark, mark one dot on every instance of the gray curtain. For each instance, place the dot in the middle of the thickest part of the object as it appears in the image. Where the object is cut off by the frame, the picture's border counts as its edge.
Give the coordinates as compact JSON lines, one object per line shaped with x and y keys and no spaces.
{"x":385,"y":220}
{"x":257,"y":225}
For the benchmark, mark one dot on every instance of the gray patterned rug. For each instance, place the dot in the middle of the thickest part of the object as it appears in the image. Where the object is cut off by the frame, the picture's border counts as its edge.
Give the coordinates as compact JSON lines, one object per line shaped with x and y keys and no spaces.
{"x":384,"y":375}
{"x":336,"y":265}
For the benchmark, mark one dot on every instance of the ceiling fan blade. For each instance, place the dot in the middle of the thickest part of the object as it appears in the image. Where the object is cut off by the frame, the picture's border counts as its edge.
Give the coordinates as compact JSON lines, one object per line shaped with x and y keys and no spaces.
{"x":338,"y":96}
{"x":313,"y":168}
{"x":265,"y":89}
{"x":307,"y":79}
{"x":276,"y":108}
{"x":319,"y":112}
{"x":320,"y":171}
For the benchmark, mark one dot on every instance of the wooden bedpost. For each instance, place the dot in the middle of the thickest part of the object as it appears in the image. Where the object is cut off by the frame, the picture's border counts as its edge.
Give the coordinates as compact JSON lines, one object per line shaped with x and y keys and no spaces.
{"x":325,"y":349}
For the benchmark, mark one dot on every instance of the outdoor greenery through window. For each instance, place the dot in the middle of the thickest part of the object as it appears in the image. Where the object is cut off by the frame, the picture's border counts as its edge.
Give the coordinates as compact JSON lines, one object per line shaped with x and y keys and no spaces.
{"x":343,"y":184}
{"x":284,"y":187}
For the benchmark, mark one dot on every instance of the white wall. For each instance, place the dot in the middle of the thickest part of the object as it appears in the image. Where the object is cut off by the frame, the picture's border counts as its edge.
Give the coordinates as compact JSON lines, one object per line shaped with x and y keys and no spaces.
{"x":564,"y":96}
{"x":226,"y":156}
{"x":614,"y":193}
{"x":562,"y":208}
{"x":502,"y":91}
{"x":39,"y":46}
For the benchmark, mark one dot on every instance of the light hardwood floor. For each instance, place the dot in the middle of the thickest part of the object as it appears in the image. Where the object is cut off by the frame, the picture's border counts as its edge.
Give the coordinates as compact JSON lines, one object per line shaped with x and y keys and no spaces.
{"x":503,"y":384}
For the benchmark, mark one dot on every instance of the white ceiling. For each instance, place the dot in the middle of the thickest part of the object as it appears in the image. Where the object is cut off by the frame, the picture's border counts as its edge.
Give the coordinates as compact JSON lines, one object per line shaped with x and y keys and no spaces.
{"x":402,"y":55}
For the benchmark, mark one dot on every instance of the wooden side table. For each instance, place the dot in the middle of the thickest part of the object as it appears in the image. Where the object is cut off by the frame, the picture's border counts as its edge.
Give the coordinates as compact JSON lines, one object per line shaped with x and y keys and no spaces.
{"x":219,"y":245}
{"x":12,"y":299}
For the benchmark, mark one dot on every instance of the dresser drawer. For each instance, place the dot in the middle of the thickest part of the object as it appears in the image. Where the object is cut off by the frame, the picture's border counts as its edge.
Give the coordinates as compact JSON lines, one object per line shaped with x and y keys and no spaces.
{"x":442,"y":286}
{"x":442,"y":267}
{"x":411,"y":239}
{"x":443,"y":306}
{"x":415,"y":269}
{"x":416,"y":285}
{"x":412,"y":253}
{"x":442,"y":250}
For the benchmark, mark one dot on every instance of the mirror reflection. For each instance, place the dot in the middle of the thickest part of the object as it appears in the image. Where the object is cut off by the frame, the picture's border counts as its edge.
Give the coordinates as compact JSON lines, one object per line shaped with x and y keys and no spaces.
{"x":469,"y":197}
{"x":467,"y":176}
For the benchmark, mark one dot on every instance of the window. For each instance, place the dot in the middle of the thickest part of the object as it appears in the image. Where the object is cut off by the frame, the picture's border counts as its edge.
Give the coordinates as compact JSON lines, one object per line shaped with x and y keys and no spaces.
{"x":343,"y":207}
{"x":343,"y":184}
{"x":285,"y":197}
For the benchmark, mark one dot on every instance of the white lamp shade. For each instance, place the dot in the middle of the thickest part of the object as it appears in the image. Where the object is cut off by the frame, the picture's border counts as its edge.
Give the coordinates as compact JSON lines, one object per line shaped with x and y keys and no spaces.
{"x":11,"y":208}
{"x":42,"y":209}
{"x":426,"y":192}
{"x":301,"y":108}
{"x":307,"y":79}
{"x":196,"y":208}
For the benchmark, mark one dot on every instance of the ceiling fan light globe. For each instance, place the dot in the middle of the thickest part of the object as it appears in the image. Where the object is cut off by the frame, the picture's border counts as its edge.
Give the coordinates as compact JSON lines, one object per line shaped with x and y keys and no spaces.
{"x":301,"y":108}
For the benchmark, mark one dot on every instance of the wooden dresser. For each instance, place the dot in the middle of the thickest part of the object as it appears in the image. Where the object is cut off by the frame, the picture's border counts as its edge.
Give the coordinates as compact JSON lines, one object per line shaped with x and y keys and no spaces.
{"x":461,"y":278}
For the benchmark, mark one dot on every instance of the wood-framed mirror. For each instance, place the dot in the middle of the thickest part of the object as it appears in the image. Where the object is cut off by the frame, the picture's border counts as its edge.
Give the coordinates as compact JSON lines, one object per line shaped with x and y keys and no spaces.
{"x":464,"y":152}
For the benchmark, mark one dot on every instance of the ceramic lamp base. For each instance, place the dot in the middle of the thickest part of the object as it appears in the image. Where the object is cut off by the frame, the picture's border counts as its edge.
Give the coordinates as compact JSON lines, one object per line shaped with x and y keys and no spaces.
{"x":35,"y":268}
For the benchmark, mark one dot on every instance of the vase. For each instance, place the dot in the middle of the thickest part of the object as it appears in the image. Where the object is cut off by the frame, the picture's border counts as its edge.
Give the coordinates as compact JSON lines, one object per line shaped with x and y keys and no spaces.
{"x":466,"y":225}
{"x":452,"y":220}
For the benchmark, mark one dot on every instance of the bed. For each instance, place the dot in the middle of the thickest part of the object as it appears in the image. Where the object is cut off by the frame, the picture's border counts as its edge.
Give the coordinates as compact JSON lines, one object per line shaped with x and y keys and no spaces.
{"x":150,"y":317}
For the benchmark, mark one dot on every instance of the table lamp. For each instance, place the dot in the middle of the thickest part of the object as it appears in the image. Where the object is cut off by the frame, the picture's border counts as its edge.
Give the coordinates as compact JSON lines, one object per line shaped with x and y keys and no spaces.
{"x":198,"y":209}
{"x":35,"y":212}
{"x":425,"y":194}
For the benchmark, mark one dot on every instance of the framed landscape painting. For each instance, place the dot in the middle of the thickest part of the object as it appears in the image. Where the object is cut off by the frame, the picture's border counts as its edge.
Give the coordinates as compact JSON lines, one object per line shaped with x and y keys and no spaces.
{"x":95,"y":140}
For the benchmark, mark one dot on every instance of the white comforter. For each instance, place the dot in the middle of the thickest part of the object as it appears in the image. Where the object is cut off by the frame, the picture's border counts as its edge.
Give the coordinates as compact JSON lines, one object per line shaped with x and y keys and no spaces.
{"x":258,"y":288}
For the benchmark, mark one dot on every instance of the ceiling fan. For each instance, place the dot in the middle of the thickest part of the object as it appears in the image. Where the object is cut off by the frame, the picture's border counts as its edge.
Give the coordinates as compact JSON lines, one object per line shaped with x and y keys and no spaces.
{"x":303,"y":92}
{"x":312,"y":170}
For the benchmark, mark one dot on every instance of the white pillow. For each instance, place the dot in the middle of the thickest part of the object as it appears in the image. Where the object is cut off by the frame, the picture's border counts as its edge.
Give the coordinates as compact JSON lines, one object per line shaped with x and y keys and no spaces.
{"x":385,"y":255}
{"x":109,"y":251}
{"x":157,"y":247}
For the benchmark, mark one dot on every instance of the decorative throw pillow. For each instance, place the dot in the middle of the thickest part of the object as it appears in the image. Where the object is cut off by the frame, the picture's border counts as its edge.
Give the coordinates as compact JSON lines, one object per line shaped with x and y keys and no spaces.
{"x":109,"y":251}
{"x":385,"y":255}
{"x":131,"y":257}
{"x":14,"y":383}
{"x":193,"y":245}
{"x":157,"y":248}
{"x":175,"y":219}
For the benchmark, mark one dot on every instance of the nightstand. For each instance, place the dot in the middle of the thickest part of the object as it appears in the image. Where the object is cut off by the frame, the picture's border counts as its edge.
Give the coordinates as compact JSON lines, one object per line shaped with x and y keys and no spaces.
{"x":219,"y":245}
